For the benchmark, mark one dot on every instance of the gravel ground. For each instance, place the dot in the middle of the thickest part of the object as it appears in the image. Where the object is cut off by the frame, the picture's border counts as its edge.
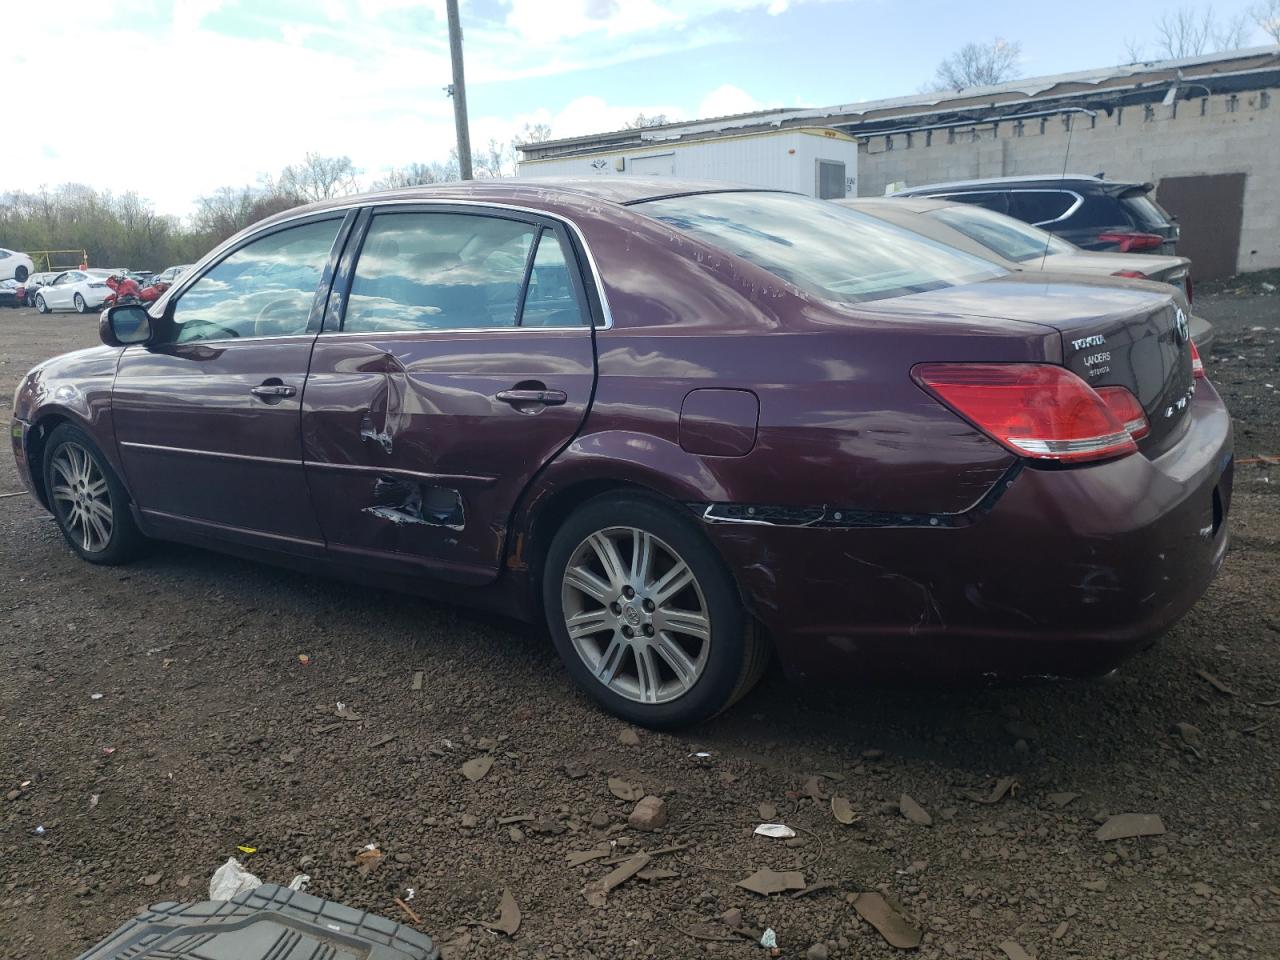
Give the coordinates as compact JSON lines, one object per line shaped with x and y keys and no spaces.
{"x":211,"y":733}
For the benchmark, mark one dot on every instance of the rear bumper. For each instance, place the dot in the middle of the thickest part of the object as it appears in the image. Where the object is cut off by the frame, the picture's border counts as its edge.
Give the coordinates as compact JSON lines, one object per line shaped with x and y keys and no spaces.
{"x":1067,"y":573}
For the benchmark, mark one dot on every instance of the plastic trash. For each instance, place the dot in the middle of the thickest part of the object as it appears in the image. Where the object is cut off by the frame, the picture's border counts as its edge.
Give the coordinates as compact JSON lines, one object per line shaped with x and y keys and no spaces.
{"x":779,"y":831}
{"x":770,"y":939}
{"x":230,"y":880}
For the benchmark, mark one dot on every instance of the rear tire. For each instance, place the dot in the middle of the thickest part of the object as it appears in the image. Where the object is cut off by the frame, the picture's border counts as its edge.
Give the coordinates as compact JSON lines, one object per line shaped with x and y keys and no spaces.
{"x":659,"y":633}
{"x":81,"y":307}
{"x":20,"y":274}
{"x":87,"y":499}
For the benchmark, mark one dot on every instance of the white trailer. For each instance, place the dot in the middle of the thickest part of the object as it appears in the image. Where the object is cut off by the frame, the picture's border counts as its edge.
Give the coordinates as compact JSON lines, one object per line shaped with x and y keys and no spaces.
{"x":814,"y":160}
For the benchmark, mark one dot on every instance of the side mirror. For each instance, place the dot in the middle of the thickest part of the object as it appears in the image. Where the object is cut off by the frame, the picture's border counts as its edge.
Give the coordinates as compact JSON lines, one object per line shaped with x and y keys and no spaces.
{"x":124,"y":324}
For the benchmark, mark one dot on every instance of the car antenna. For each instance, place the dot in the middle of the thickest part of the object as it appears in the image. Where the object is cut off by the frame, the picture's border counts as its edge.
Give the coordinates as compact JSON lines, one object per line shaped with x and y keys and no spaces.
{"x":1066,"y":155}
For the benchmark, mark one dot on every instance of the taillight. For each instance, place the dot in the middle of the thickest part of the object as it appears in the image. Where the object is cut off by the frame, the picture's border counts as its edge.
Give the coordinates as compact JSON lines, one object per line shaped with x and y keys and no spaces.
{"x":1130,"y":242}
{"x":1126,"y":408}
{"x":1130,"y":274}
{"x":1037,"y":410}
{"x":1197,"y":365}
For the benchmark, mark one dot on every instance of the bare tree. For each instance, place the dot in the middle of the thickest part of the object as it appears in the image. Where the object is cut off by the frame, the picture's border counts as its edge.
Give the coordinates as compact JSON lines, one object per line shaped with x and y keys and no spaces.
{"x":1266,"y":14}
{"x":541,"y":132}
{"x":494,"y":160}
{"x":979,"y":65}
{"x":318,"y":178}
{"x":644,"y":120}
{"x":1188,"y":32}
{"x":419,"y":174}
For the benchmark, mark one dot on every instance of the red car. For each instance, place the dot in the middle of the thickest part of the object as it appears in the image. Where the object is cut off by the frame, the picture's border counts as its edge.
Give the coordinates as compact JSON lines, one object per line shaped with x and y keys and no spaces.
{"x":684,"y":426}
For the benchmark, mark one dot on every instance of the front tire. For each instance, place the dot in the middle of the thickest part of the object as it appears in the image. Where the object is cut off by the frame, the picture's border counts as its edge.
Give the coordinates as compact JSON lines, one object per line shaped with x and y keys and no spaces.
{"x":87,"y":499}
{"x":41,"y":306}
{"x":646,"y":616}
{"x":81,"y":306}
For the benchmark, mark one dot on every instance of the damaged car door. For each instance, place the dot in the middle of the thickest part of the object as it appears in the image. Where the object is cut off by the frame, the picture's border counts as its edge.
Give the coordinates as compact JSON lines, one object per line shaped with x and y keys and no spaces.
{"x":207,"y":413}
{"x":457,"y":358}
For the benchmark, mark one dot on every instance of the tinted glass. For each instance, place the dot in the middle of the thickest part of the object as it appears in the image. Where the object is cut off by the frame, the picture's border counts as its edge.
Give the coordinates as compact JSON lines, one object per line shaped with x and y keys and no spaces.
{"x":821,"y":247}
{"x":552,"y":300}
{"x":264,"y":289}
{"x":1098,"y":210}
{"x":998,"y":202}
{"x":1145,"y":212}
{"x":438,"y":271}
{"x":1012,"y":239}
{"x":1038,"y":206}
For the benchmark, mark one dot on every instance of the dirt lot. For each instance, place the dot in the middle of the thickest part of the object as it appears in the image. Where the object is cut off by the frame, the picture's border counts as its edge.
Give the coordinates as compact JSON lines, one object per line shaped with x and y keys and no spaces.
{"x":210,"y":734}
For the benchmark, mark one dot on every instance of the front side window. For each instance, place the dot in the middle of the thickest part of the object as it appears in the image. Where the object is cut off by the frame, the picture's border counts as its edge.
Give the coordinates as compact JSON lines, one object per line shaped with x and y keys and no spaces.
{"x":439,"y":271}
{"x":1012,"y":239}
{"x":263,"y":289}
{"x":823,"y":248}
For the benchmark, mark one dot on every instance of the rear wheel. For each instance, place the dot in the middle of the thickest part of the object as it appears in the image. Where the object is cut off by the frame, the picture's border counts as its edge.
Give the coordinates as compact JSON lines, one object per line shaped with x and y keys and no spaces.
{"x":645,"y":615}
{"x":20,"y":274}
{"x":81,"y":307}
{"x":88,"y":500}
{"x":41,"y":306}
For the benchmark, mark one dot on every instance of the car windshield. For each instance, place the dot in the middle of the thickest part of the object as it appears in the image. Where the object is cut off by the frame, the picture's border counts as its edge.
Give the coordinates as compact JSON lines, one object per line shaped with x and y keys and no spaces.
{"x":1012,"y":239}
{"x":822,"y":248}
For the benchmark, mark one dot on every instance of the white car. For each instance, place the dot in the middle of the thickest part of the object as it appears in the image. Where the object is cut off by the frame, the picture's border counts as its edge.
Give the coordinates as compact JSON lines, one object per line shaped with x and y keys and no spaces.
{"x":15,"y":265}
{"x":171,"y":275}
{"x":79,"y":290}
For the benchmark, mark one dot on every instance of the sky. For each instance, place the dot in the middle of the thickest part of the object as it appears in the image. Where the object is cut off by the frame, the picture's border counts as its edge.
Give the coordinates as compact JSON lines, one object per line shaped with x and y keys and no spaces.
{"x":175,"y":98}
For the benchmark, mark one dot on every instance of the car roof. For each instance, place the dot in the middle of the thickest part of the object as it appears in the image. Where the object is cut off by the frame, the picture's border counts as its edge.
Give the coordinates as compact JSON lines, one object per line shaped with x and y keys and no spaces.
{"x":923,"y":204}
{"x":549,"y":192}
{"x":1049,"y":179}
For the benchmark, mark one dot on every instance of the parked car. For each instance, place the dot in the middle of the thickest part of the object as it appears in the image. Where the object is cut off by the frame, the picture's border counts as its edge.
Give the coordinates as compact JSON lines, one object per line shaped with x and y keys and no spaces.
{"x":28,"y":290}
{"x":685,"y":426}
{"x":1020,"y":246}
{"x":79,"y":290}
{"x":8,"y":293}
{"x":171,"y":274}
{"x":14,"y":265}
{"x":1092,"y":213}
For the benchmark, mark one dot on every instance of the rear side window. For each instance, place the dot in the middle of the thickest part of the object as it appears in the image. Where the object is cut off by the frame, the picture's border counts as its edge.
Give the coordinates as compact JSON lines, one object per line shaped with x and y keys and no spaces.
{"x":823,"y":248}
{"x":439,"y":271}
{"x":1012,"y":239}
{"x":551,"y":299}
{"x":1041,"y":206}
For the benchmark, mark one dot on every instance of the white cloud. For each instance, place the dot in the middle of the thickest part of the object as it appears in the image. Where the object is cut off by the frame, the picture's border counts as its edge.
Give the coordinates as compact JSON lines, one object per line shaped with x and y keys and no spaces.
{"x":727,"y":99}
{"x":338,"y":77}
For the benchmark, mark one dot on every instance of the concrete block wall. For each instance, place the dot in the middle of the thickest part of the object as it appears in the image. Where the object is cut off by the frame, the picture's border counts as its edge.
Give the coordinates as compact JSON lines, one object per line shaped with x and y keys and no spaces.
{"x":1206,"y":135}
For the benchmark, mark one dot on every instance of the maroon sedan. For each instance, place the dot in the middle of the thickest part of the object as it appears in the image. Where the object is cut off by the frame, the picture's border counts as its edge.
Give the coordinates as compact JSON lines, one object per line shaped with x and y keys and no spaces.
{"x":686,"y":426}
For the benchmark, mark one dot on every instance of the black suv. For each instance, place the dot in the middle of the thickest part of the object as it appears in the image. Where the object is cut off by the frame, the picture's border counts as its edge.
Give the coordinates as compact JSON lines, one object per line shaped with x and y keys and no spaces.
{"x":1090,"y":212}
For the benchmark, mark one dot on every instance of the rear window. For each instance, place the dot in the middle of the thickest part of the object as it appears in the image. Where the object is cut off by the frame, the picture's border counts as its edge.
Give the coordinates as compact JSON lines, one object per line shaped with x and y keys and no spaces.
{"x":1145,"y":212}
{"x":821,"y":247}
{"x":1012,"y":239}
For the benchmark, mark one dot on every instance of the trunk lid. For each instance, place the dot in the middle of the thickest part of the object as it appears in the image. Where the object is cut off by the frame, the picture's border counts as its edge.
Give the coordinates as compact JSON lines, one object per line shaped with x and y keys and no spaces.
{"x":1132,"y":334}
{"x":1175,"y":271}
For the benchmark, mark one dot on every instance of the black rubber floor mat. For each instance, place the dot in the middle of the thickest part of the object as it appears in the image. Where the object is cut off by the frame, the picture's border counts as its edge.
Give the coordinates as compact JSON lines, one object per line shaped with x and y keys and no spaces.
{"x":269,"y":923}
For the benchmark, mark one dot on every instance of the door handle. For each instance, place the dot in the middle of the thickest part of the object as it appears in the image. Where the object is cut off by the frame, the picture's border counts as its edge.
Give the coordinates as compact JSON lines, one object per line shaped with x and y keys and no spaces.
{"x":273,"y":391}
{"x":549,"y":398}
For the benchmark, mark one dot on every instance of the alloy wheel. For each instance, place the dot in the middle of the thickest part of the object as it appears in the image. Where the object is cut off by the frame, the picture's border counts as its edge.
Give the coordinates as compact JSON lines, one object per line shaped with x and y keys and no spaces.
{"x":41,"y":306}
{"x":81,"y":496}
{"x":80,"y":304}
{"x":636,"y":615}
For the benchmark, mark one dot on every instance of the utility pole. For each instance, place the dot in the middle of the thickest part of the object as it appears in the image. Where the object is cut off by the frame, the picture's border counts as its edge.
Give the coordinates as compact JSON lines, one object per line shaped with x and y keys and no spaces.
{"x":459,"y":92}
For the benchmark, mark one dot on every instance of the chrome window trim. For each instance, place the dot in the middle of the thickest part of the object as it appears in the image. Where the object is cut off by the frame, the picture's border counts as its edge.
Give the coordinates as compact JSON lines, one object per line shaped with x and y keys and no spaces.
{"x":514,"y":208}
{"x":189,"y":277}
{"x":1079,"y":200}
